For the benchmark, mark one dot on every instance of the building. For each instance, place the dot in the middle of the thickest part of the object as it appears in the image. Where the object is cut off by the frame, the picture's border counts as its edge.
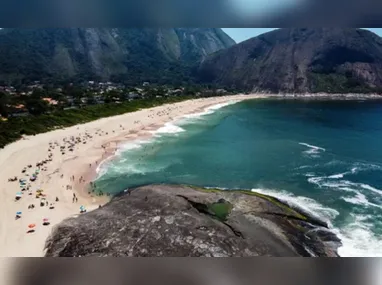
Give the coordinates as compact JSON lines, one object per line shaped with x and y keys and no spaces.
{"x":133,"y":96}
{"x":18,"y":111}
{"x":221,"y":91}
{"x":50,"y":101}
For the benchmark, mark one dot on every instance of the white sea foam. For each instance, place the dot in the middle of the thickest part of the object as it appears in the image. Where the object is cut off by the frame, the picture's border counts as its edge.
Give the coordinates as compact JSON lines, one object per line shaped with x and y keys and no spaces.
{"x":306,"y":204}
{"x":354,"y":170}
{"x":102,"y":167}
{"x":168,"y":128}
{"x":129,"y":146}
{"x":313,"y":151}
{"x":358,"y":239}
{"x":329,"y":182}
{"x":129,"y":168}
{"x":339,"y":175}
{"x":303,"y":167}
{"x":221,"y":105}
{"x":360,"y":199}
{"x":208,"y":111}
{"x":313,"y":147}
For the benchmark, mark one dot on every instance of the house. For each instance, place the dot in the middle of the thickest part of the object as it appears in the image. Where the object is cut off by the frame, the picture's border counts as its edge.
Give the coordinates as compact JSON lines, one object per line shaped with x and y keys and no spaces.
{"x":176,"y":92}
{"x":18,"y":111}
{"x":50,"y":101}
{"x":132,"y":96}
{"x":221,"y":91}
{"x":19,"y":107}
{"x":145,"y":84}
{"x":99,"y":99}
{"x":70,"y":99}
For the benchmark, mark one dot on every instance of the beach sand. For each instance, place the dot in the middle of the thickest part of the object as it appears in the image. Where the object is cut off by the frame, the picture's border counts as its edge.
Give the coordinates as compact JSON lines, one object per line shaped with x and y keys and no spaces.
{"x":102,"y":138}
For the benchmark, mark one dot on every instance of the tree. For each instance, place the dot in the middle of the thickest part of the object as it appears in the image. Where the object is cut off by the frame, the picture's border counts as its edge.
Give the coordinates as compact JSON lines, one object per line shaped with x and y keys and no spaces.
{"x":90,"y":100}
{"x":38,"y":94}
{"x":4,"y":101}
{"x":110,"y":95}
{"x":36,"y":106}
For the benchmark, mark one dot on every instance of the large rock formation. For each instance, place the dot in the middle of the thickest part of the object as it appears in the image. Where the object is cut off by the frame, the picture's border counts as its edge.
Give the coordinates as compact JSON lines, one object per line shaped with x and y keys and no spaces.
{"x":167,"y":220}
{"x":300,"y":60}
{"x":104,"y":53}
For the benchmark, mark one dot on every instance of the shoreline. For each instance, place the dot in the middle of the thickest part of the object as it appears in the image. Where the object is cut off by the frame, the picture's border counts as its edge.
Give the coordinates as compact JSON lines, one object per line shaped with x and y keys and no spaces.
{"x":324,"y":96}
{"x":74,"y":151}
{"x":145,"y":134}
{"x":99,"y":142}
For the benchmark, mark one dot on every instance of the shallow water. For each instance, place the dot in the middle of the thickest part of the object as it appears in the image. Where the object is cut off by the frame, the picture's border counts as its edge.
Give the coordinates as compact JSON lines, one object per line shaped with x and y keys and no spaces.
{"x":325,"y":156}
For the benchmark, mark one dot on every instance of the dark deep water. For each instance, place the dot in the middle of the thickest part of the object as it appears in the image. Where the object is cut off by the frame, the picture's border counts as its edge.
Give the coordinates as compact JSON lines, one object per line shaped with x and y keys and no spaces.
{"x":325,"y":156}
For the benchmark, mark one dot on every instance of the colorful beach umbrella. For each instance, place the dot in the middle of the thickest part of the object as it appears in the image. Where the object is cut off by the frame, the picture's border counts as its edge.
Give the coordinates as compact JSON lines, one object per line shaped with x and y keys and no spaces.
{"x":19,"y":194}
{"x":18,"y":213}
{"x":31,"y":226}
{"x":45,"y":220}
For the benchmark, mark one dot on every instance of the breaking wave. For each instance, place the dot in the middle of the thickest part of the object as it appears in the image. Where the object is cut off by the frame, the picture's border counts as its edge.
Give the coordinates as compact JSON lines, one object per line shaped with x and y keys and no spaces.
{"x":313,"y":151}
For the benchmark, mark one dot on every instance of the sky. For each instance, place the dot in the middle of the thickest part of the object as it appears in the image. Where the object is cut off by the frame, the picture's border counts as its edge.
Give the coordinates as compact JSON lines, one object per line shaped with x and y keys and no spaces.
{"x":242,"y":34}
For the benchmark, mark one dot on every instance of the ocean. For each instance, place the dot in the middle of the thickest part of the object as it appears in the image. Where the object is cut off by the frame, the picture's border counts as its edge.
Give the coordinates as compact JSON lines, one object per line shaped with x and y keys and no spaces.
{"x":323,"y":156}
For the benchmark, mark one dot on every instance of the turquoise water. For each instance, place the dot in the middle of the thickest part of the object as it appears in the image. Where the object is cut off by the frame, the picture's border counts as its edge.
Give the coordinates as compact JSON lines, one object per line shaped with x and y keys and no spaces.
{"x":325,"y":156}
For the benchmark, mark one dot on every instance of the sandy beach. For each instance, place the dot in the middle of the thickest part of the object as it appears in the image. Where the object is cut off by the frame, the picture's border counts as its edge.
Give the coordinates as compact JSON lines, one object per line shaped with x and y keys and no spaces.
{"x":66,"y":161}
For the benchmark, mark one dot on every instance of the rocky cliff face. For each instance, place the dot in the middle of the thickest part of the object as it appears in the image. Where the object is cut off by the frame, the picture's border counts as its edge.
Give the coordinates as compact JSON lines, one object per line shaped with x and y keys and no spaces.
{"x":167,"y":220}
{"x":35,"y":54}
{"x":301,"y":60}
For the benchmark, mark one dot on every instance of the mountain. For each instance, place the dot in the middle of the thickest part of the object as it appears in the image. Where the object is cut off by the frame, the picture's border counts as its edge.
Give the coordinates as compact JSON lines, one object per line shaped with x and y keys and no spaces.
{"x":119,"y":54}
{"x":300,"y":60}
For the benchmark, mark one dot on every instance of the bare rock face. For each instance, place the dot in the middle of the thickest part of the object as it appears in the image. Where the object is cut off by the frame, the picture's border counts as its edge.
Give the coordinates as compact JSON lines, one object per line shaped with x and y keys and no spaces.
{"x":300,"y":60}
{"x":168,"y":220}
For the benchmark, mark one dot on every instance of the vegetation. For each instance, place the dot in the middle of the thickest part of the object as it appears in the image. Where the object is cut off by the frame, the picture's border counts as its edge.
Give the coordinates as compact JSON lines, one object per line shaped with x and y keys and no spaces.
{"x":12,"y":129}
{"x":339,"y":83}
{"x":221,"y":209}
{"x":130,"y":56}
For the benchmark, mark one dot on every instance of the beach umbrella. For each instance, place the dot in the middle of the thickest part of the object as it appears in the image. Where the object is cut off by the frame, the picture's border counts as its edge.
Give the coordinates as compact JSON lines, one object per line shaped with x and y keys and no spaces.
{"x":18,"y":213}
{"x":19,"y":194}
{"x":31,"y":226}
